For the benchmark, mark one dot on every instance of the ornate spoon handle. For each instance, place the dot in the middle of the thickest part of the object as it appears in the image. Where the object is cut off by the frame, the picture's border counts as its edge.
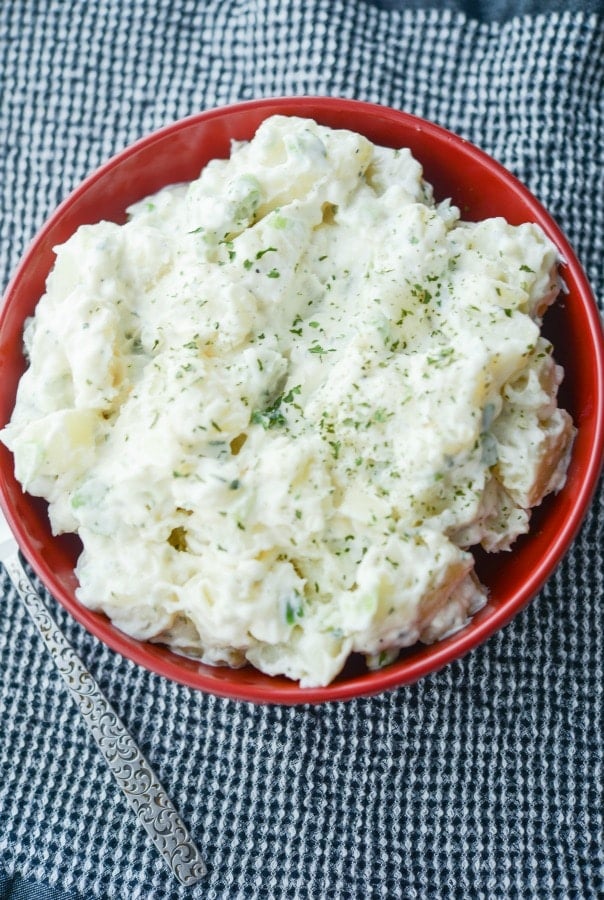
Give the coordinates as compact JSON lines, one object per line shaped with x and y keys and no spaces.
{"x":132,"y":772}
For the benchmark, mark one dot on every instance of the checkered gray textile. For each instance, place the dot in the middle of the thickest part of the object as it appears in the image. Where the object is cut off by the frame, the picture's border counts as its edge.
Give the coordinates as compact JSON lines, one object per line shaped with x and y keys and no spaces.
{"x":482,"y":781}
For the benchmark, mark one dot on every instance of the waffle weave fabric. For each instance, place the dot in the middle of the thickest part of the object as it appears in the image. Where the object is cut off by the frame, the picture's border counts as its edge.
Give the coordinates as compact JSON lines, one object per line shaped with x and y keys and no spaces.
{"x":484,"y":780}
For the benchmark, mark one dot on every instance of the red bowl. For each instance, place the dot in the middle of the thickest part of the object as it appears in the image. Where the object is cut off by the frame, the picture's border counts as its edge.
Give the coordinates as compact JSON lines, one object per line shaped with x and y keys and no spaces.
{"x":481,"y":188}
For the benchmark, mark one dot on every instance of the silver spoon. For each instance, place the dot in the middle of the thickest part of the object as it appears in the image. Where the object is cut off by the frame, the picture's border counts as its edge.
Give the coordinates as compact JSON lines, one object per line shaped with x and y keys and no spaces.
{"x":154,"y":809}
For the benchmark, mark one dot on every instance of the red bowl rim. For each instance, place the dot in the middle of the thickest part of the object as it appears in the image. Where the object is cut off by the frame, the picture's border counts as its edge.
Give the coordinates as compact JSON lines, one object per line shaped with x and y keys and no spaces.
{"x":278,"y":690}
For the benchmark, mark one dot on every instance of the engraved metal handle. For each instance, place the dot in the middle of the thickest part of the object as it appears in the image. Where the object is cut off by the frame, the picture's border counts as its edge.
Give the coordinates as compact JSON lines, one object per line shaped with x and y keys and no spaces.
{"x":132,"y":772}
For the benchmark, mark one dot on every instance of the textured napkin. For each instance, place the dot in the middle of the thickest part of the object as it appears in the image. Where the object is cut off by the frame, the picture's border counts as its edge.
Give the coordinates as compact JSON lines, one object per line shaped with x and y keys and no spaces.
{"x":482,"y":781}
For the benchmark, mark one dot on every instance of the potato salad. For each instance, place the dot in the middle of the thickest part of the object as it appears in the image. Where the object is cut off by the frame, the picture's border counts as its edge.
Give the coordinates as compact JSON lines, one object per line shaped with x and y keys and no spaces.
{"x":282,"y":403}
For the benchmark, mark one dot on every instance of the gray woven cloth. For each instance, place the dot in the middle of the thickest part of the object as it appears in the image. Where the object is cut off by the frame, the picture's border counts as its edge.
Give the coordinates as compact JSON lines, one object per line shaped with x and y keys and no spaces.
{"x":482,"y":781}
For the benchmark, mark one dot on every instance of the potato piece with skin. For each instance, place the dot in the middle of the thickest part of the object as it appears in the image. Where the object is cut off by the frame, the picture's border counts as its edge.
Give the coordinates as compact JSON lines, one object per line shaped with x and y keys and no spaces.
{"x":445,"y":618}
{"x":532,"y":454}
{"x":534,"y":436}
{"x":399,"y":587}
{"x":497,"y":523}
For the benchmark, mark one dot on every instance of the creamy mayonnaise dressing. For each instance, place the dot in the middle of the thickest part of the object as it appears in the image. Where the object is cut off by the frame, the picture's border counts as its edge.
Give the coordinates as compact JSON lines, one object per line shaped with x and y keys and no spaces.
{"x":281,"y":402}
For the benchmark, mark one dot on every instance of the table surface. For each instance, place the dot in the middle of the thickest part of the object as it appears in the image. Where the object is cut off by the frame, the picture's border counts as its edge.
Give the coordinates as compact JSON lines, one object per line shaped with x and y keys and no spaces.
{"x":483,"y":780}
